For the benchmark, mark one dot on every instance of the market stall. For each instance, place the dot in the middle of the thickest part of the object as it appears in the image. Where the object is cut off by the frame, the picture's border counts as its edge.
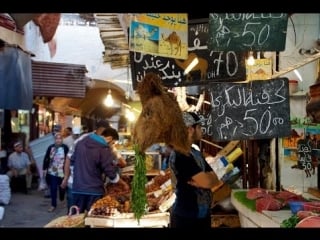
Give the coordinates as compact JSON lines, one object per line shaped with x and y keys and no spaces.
{"x":150,"y":220}
{"x":115,"y":208}
{"x":250,"y":217}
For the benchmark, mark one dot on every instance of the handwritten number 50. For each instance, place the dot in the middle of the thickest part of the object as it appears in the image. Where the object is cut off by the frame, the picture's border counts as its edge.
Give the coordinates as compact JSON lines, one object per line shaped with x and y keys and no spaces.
{"x":265,"y":117}
{"x":262,"y":37}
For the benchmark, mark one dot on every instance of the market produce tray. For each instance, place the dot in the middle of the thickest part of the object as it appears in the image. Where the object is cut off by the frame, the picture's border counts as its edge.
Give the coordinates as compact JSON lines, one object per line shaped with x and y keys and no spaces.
{"x":127,"y":220}
{"x":69,"y":221}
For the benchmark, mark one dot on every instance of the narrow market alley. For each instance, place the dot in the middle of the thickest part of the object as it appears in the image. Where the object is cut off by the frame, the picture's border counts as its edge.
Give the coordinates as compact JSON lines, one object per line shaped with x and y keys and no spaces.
{"x":29,"y":210}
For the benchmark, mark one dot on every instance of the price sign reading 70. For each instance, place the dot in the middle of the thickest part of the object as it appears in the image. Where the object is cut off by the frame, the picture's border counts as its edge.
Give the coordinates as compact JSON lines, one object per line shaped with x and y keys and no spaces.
{"x":247,"y":31}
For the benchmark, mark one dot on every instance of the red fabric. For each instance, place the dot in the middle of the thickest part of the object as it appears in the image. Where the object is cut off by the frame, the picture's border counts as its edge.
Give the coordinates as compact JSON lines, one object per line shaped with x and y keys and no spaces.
{"x":48,"y":24}
{"x":7,"y":22}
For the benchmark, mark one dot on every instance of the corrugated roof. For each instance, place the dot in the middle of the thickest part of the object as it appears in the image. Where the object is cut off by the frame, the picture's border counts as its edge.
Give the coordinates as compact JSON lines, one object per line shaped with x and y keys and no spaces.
{"x":59,"y":79}
{"x":114,"y":38}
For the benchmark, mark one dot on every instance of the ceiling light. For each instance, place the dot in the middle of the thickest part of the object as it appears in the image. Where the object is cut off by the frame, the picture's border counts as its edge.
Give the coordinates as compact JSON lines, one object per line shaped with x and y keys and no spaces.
{"x":108,"y":101}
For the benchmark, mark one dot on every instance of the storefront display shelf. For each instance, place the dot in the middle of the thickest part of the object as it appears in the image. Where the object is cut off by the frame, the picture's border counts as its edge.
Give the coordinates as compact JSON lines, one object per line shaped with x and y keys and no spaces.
{"x":249,"y":218}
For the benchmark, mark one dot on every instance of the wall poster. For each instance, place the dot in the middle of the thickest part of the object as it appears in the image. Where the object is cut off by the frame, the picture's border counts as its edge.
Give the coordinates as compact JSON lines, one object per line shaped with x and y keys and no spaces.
{"x":160,"y":34}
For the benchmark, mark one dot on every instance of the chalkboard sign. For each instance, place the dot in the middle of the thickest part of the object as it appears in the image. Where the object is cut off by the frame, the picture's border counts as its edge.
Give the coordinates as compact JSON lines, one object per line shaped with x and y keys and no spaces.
{"x":304,"y":149}
{"x":223,"y":66}
{"x":247,"y":31}
{"x":256,"y":110}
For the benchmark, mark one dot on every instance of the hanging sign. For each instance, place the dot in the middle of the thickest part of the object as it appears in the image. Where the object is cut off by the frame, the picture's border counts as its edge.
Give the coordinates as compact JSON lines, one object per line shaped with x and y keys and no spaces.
{"x":254,"y":110}
{"x":247,"y":31}
{"x":260,"y":70}
{"x":226,"y":66}
{"x":160,"y":34}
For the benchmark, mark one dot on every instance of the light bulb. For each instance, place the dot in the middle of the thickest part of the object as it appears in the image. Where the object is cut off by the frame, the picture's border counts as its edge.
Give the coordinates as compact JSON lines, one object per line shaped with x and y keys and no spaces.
{"x":298,"y":75}
{"x":250,"y":60}
{"x":193,"y":63}
{"x":108,"y":101}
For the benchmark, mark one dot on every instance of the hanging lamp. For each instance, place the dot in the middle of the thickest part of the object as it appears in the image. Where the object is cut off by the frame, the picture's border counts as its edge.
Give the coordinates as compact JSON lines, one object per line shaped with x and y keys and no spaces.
{"x":108,"y":101}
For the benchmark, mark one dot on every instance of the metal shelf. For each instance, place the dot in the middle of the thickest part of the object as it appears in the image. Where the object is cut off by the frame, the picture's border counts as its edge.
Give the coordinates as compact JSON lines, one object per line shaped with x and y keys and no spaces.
{"x":299,"y":94}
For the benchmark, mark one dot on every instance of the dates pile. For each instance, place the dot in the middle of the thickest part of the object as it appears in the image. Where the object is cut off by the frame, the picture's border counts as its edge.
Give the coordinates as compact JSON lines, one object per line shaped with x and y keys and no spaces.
{"x":116,"y":189}
{"x":111,"y":205}
{"x":157,"y":181}
{"x":117,"y":200}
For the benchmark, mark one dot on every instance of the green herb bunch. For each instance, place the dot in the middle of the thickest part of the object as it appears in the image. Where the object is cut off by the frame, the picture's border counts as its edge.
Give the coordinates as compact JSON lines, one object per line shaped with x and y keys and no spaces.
{"x":138,"y":185}
{"x":290,"y":222}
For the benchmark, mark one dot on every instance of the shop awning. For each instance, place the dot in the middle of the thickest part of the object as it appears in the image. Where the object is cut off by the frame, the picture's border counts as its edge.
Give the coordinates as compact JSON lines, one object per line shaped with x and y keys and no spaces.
{"x":59,"y":79}
{"x":15,"y":78}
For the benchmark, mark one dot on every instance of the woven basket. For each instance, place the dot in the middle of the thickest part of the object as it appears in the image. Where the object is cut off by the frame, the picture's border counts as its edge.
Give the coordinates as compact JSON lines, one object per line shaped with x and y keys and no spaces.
{"x":69,"y":221}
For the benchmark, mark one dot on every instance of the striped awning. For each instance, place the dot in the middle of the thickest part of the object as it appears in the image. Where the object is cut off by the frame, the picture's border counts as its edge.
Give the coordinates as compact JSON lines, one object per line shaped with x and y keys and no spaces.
{"x":59,"y":79}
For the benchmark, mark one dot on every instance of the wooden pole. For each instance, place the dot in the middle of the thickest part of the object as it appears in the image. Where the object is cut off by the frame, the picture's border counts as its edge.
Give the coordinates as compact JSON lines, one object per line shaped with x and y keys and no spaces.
{"x":215,"y":145}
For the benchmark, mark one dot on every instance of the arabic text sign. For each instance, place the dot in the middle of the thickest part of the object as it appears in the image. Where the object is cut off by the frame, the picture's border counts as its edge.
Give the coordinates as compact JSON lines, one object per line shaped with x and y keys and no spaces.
{"x":227,"y":66}
{"x":304,"y":147}
{"x":247,"y":31}
{"x":255,"y":110}
{"x":160,"y":34}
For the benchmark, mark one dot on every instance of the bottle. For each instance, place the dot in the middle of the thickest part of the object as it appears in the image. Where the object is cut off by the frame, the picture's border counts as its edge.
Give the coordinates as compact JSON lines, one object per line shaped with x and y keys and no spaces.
{"x":234,"y":155}
{"x":224,"y":164}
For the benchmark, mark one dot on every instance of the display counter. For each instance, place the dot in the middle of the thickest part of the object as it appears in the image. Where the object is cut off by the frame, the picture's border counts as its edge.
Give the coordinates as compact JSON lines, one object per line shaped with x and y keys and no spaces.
{"x":114,"y":210}
{"x":250,"y":218}
{"x":151,"y":220}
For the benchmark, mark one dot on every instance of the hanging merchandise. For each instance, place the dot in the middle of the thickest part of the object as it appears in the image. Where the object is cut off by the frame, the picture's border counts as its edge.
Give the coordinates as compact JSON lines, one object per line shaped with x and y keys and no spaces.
{"x":138,"y":194}
{"x":16,"y":90}
{"x":224,"y":164}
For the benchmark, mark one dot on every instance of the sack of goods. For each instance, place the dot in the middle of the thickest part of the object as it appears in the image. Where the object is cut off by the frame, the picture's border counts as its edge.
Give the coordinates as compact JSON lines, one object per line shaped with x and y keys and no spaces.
{"x":5,"y":190}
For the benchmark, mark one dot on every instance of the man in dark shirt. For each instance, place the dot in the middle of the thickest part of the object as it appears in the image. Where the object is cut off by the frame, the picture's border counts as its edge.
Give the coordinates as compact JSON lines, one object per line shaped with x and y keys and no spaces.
{"x":194,"y":180}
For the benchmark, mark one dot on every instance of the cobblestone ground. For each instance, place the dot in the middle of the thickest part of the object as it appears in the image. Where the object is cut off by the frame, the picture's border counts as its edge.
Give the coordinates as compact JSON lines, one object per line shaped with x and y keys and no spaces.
{"x":30,"y":210}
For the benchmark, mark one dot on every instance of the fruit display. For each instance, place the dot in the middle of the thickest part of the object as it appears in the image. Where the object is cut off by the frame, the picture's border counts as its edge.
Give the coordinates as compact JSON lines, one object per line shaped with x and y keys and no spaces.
{"x":117,"y":202}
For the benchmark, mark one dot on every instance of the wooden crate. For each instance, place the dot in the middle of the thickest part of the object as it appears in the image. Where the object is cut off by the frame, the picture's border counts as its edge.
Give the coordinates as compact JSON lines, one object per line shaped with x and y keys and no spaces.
{"x":152,"y":220}
{"x":225,"y":220}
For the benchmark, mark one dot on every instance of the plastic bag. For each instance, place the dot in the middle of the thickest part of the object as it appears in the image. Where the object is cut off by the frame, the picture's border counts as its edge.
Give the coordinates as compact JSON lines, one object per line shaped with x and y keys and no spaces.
{"x":5,"y":190}
{"x":42,"y":184}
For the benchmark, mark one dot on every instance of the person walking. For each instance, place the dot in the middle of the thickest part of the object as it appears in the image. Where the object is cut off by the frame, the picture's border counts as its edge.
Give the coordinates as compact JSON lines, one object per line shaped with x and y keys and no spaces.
{"x":194,"y":180}
{"x":92,"y":158}
{"x":68,"y":168}
{"x":68,"y":138}
{"x":53,"y":169}
{"x":19,"y":168}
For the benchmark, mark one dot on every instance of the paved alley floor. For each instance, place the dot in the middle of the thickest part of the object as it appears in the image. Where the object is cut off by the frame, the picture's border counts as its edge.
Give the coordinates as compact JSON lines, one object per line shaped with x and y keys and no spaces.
{"x":30,"y":210}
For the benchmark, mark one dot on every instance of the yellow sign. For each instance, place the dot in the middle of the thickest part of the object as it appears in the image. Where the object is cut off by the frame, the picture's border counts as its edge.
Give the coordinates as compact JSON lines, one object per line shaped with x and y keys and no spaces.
{"x":160,"y":34}
{"x":260,"y":70}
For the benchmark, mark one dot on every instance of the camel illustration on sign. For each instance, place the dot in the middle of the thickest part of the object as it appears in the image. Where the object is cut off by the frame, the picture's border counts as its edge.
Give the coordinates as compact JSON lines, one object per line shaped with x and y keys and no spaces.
{"x":142,"y":33}
{"x":202,"y":66}
{"x":174,"y":40}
